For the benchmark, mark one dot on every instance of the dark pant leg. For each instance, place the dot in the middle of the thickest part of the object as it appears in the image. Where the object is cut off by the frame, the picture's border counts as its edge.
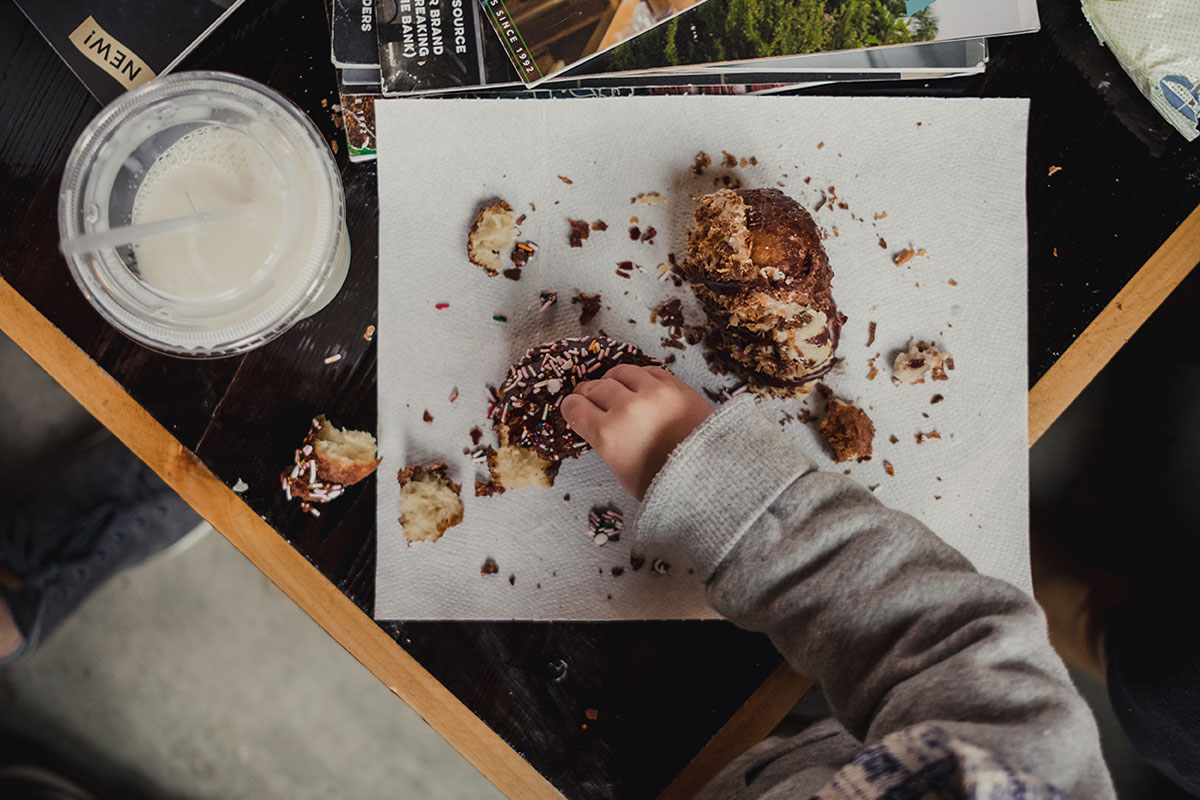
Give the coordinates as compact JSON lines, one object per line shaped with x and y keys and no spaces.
{"x":1153,"y":653}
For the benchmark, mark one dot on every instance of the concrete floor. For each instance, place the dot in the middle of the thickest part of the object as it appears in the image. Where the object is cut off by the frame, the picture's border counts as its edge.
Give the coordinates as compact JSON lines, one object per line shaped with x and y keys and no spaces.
{"x":192,"y":676}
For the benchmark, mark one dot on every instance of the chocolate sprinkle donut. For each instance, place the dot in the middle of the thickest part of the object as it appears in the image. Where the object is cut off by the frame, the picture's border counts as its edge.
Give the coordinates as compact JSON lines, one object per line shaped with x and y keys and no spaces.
{"x":533,"y":389}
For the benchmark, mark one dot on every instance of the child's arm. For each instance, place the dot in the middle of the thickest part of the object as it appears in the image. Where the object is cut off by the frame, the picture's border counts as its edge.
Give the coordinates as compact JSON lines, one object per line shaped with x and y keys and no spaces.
{"x":895,"y":624}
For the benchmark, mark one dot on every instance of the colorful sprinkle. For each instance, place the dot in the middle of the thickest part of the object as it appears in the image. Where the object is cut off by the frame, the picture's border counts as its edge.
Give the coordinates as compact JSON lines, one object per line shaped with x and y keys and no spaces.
{"x":604,"y":525}
{"x":441,"y":306}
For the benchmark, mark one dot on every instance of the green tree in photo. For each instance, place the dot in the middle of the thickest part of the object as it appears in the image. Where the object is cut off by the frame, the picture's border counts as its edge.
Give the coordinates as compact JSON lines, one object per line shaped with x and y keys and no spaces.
{"x":868,"y":23}
{"x":927,"y":25}
{"x":729,"y":30}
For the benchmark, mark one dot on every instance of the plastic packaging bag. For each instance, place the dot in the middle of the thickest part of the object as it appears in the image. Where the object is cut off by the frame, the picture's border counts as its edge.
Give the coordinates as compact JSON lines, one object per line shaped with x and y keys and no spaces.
{"x":1158,"y":44}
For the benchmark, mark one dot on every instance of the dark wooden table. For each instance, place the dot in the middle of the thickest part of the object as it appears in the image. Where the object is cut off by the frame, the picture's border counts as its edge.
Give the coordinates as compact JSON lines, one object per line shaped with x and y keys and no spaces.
{"x":1110,"y":235}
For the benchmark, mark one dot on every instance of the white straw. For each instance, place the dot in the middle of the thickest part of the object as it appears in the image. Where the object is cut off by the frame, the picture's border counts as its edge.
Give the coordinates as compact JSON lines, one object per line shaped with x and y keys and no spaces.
{"x":134,"y":233}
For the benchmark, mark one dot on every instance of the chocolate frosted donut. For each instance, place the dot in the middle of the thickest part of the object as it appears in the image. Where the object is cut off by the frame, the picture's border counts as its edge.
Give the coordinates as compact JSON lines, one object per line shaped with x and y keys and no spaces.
{"x":526,"y":412}
{"x":758,"y":268}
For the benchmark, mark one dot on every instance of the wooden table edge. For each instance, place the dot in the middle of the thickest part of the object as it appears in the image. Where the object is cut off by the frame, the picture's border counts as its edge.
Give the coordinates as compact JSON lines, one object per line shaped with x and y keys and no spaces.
{"x":1114,"y":325}
{"x":105,"y":399}
{"x":1048,"y":399}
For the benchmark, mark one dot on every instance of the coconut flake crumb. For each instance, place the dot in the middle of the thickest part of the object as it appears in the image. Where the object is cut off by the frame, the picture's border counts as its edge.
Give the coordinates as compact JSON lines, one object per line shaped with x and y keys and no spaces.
{"x":920,"y":361}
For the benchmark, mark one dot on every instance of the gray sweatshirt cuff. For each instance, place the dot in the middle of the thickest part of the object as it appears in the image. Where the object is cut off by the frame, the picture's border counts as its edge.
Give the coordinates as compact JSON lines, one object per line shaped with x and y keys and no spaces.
{"x":717,"y":482}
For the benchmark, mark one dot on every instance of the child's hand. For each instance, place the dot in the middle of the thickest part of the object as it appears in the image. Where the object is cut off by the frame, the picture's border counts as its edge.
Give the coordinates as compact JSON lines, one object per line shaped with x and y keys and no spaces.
{"x":634,"y":417}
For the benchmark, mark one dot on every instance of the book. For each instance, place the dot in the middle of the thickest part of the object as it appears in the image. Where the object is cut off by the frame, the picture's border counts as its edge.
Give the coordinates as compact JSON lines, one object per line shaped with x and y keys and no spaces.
{"x":717,"y":34}
{"x":360,"y":76}
{"x":417,"y":56}
{"x":352,"y":34}
{"x":358,"y":109}
{"x":115,"y":45}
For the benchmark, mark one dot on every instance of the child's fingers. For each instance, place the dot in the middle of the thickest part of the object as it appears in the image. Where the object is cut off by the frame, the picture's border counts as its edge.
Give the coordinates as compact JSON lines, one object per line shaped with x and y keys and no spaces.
{"x":605,"y":392}
{"x":661,"y":374}
{"x":582,"y":415}
{"x":636,"y":378}
{"x":672,"y":379}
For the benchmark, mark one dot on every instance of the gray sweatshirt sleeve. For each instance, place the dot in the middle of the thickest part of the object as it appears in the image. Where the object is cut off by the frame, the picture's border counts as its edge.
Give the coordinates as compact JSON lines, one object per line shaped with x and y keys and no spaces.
{"x":896,"y":625}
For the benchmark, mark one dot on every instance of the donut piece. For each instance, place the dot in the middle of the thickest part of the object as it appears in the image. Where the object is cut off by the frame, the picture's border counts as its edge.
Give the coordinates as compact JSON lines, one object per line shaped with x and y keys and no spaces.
{"x":920,"y":361}
{"x":430,"y":503}
{"x":757,"y":266}
{"x":493,"y":232}
{"x":526,"y":414}
{"x":513,"y":467}
{"x":327,"y":461}
{"x":848,"y":430}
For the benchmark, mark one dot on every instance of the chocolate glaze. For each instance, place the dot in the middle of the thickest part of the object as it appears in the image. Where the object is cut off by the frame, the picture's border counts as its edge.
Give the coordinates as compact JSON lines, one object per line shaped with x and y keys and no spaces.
{"x":533,"y":390}
{"x":779,"y":235}
{"x":771,"y":380}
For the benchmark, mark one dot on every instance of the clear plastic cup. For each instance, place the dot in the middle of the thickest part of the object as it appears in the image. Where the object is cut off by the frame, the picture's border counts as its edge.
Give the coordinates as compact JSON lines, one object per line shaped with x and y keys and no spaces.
{"x":206,"y":144}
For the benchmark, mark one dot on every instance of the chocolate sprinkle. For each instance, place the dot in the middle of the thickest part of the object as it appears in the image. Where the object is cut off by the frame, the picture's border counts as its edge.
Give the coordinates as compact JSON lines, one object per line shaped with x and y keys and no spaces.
{"x":604,"y":525}
{"x":522,"y":253}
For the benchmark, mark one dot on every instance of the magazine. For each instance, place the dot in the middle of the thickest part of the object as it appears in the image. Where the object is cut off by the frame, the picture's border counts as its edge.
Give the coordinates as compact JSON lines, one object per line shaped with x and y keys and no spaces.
{"x":723,"y":32}
{"x":716,"y":33}
{"x":544,"y":38}
{"x":939,"y":59}
{"x":929,"y":57}
{"x":115,"y":45}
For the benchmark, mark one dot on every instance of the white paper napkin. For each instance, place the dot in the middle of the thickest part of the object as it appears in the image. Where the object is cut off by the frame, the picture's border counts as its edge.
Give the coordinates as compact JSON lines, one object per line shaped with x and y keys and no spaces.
{"x":948,"y":174}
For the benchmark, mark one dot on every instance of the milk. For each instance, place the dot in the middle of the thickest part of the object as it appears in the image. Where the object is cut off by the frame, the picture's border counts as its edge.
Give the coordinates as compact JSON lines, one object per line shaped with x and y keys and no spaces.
{"x":210,"y":168}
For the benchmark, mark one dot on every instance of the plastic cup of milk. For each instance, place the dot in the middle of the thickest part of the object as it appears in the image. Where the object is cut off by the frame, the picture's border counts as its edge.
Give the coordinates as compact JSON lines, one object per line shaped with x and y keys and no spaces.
{"x":202,"y":214}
